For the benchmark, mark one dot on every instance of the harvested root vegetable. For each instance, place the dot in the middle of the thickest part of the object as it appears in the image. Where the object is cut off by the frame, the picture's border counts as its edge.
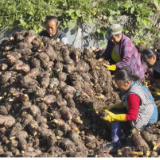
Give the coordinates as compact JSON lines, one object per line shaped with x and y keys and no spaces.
{"x":139,"y":141}
{"x":22,"y":144}
{"x":59,"y":122}
{"x":49,"y":99}
{"x":149,"y":138}
{"x":7,"y":121}
{"x":62,"y":76}
{"x":54,"y":82}
{"x":35,"y":111}
{"x":45,"y":81}
{"x":33,"y":73}
{"x":67,"y":144}
{"x":74,"y":136}
{"x":156,"y":144}
{"x":65,"y":112}
{"x":3,"y":110}
{"x":35,"y":63}
{"x":23,"y":67}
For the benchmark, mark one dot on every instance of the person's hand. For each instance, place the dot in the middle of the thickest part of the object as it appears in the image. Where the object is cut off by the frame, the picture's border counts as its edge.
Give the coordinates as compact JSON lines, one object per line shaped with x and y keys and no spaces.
{"x":111,"y":67}
{"x":113,"y":117}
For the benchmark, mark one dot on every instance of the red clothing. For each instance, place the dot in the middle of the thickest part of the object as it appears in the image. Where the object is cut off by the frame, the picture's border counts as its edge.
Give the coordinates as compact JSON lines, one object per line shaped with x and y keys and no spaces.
{"x":133,"y":107}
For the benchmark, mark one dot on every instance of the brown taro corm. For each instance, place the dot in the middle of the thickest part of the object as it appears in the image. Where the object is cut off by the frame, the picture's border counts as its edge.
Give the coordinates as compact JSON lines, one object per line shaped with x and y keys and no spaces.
{"x":49,"y":99}
{"x":61,"y":102}
{"x":21,"y":135}
{"x":62,"y":76}
{"x":67,"y":144}
{"x":41,"y":119}
{"x":66,"y":113}
{"x":13,"y":143}
{"x":24,"y":67}
{"x":74,"y":136}
{"x":23,"y":45}
{"x":22,"y":144}
{"x":138,"y":141}
{"x":51,"y":140}
{"x":15,"y":152}
{"x":42,"y":106}
{"x":3,"y":110}
{"x":149,"y":137}
{"x":33,"y":73}
{"x":51,"y":53}
{"x":7,"y":121}
{"x":66,"y":127}
{"x":59,"y":122}
{"x":35,"y":63}
{"x":45,"y":81}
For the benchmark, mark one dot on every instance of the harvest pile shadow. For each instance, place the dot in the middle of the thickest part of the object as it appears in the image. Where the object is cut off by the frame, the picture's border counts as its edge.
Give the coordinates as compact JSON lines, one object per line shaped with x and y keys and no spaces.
{"x":50,"y":96}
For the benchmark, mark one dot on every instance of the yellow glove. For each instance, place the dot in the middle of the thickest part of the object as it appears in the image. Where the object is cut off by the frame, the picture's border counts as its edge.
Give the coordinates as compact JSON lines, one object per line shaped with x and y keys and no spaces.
{"x":114,"y":117}
{"x":111,"y":67}
{"x":147,"y":82}
{"x":101,"y":59}
{"x":156,"y":92}
{"x":116,"y":105}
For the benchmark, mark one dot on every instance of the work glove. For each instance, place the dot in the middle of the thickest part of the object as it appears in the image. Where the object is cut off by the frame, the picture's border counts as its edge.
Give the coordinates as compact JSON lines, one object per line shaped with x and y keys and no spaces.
{"x":114,"y":117}
{"x":147,"y":82}
{"x":110,"y":67}
{"x":101,"y":59}
{"x":156,"y":91}
{"x":116,"y":105}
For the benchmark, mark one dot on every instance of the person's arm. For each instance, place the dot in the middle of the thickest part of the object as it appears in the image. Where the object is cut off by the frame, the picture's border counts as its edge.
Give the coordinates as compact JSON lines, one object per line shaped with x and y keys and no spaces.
{"x":126,"y":52}
{"x":133,"y":107}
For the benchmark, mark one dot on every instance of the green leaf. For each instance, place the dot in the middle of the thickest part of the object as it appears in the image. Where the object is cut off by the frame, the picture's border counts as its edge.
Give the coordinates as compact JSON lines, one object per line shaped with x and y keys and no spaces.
{"x":78,"y":12}
{"x":102,"y":43}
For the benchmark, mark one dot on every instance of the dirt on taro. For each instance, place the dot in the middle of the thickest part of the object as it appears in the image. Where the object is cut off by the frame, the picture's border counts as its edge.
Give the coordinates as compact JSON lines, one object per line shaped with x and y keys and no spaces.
{"x":50,"y":100}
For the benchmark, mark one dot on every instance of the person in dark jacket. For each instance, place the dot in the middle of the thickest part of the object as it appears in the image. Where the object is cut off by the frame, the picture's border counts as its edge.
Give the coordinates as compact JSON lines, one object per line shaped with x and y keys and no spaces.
{"x":121,"y":52}
{"x":52,"y":31}
{"x":153,"y":60}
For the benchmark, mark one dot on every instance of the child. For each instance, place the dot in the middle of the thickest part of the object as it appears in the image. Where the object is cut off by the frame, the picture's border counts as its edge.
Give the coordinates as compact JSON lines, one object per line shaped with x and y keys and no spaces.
{"x":51,"y":24}
{"x":139,"y":102}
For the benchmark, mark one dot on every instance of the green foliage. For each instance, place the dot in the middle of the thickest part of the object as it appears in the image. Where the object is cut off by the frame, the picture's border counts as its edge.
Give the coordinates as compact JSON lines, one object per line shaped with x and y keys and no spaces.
{"x":30,"y":14}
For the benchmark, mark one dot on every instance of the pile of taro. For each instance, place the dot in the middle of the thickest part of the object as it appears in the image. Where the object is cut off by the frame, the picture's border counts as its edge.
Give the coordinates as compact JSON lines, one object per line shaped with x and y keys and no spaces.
{"x":50,"y":95}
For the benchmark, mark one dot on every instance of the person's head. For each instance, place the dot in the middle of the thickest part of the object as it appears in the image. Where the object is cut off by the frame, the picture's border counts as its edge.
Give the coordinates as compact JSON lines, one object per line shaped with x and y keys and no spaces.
{"x":123,"y":79}
{"x":114,"y":33}
{"x":51,"y":24}
{"x":149,"y":57}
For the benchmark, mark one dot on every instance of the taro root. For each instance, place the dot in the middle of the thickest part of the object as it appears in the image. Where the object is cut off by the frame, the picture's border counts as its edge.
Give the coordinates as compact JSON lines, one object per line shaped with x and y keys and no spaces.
{"x":74,"y":127}
{"x":44,"y":57}
{"x":22,"y":144}
{"x":44,"y":132}
{"x":13,"y":143}
{"x":59,"y":122}
{"x":49,"y":99}
{"x":91,"y":141}
{"x":23,"y":67}
{"x":8,"y":154}
{"x":65,"y":112}
{"x":7,"y":121}
{"x":45,"y":81}
{"x":51,"y":140}
{"x":35,"y":111}
{"x":42,"y":106}
{"x":51,"y":53}
{"x":156,"y":144}
{"x":67,"y":144}
{"x":53,"y":83}
{"x":62,"y":76}
{"x":68,"y":89}
{"x":3,"y":110}
{"x":15,"y":152}
{"x":33,"y":73}
{"x":22,"y":45}
{"x":139,"y":141}
{"x":35,"y":63}
{"x":41,"y":119}
{"x":6,"y":76}
{"x":73,"y":136}
{"x":149,"y":138}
